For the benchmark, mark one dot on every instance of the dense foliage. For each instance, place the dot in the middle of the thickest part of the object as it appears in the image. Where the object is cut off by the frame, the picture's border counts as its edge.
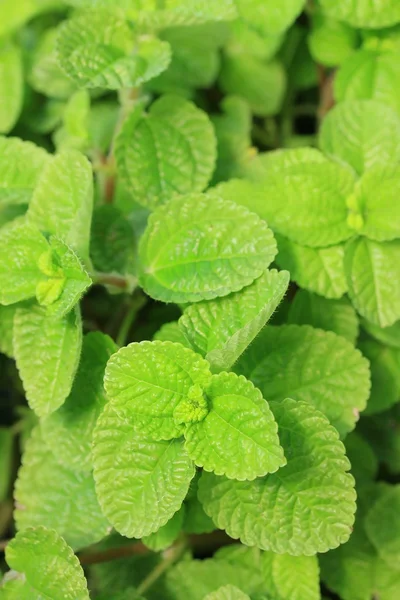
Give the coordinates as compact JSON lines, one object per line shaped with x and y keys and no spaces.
{"x":200,"y":299}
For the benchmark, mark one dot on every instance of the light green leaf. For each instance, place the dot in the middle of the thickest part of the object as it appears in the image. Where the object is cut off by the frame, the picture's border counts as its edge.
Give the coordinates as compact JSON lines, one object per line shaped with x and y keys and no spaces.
{"x":238,"y":437}
{"x":11,"y":85}
{"x":21,"y":247}
{"x":149,"y":380}
{"x":98,"y":49}
{"x":74,"y":130}
{"x":6,"y":460}
{"x":267,"y":16}
{"x":14,"y":15}
{"x":244,"y":39}
{"x":171,"y":332}
{"x":364,"y":13}
{"x":112,"y":239}
{"x":69,"y":430}
{"x":53,"y":572}
{"x":262,"y":85}
{"x":222,"y":329}
{"x":185,"y":12}
{"x":47,"y":352}
{"x":140,"y":483}
{"x":382,"y":525}
{"x":385,"y":375}
{"x":167,"y":534}
{"x":310,"y":365}
{"x":295,"y":578}
{"x":227,"y":592}
{"x":349,"y":133}
{"x":318,"y":270}
{"x":371,"y":75}
{"x":7,"y":329}
{"x":331,"y":41}
{"x":331,"y":315}
{"x":389,"y":336}
{"x":168,"y":152}
{"x":62,"y":202}
{"x":307,"y":507}
{"x":373,"y":276}
{"x":196,"y":520}
{"x":50,"y":494}
{"x":236,"y":247}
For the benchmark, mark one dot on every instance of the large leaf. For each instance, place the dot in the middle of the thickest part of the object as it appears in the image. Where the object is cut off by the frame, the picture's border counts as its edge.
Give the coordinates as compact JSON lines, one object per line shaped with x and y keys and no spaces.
{"x":62,"y":202}
{"x":373,"y":276}
{"x":50,"y":494}
{"x":53,"y":572}
{"x":364,"y":13}
{"x":140,"y":483}
{"x":47,"y":352}
{"x":236,"y":247}
{"x":311,"y":365}
{"x":349,"y":133}
{"x":307,"y":507}
{"x":98,"y":49}
{"x":267,"y":16}
{"x":167,"y":152}
{"x":149,"y":380}
{"x":11,"y":85}
{"x":69,"y":430}
{"x":238,"y":436}
{"x":222,"y":329}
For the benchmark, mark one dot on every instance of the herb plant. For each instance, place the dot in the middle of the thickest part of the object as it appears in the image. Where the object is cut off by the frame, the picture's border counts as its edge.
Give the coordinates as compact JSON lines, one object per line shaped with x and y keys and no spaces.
{"x":200,"y":299}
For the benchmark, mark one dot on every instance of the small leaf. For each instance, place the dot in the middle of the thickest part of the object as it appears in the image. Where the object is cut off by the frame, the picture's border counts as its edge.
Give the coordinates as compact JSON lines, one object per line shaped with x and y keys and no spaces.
{"x":236,"y":247}
{"x":11,"y":85}
{"x":53,"y":572}
{"x":364,"y":13}
{"x":268,"y":17}
{"x":69,"y":430}
{"x":98,"y":49}
{"x":48,"y":493}
{"x":171,"y":332}
{"x":47,"y":352}
{"x":166,"y":535}
{"x":238,"y":437}
{"x":373,"y":276}
{"x":168,"y":152}
{"x":140,"y":483}
{"x":112,"y":239}
{"x":73,"y":132}
{"x":330,"y":41}
{"x":309,"y":365}
{"x":385,"y":375}
{"x":222,"y":329}
{"x":227,"y":592}
{"x":382,"y":525}
{"x":307,"y":507}
{"x":62,"y":203}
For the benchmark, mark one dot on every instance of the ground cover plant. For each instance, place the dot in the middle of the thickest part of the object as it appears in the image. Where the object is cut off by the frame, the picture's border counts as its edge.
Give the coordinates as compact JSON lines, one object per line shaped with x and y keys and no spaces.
{"x":199,"y":299}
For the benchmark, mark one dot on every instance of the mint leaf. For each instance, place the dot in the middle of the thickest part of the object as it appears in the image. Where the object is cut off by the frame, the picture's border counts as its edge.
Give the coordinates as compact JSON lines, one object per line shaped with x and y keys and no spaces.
{"x":222,"y":329}
{"x":373,"y":276}
{"x":69,"y":430}
{"x":20,"y":167}
{"x":54,"y":572}
{"x":149,"y":380}
{"x":330,"y":41}
{"x":338,"y":316}
{"x":112,"y":240}
{"x":318,"y":270}
{"x":310,"y":365}
{"x":47,"y":352}
{"x":185,"y":12}
{"x":227,"y":592}
{"x":133,"y":473}
{"x":171,"y":332}
{"x":62,"y":203}
{"x":98,"y":49}
{"x":349,"y":133}
{"x":267,"y":17}
{"x":238,"y":436}
{"x":11,"y":85}
{"x":22,"y":245}
{"x":385,"y":375}
{"x":7,"y":330}
{"x":389,"y":336}
{"x":167,"y":152}
{"x":167,"y":534}
{"x":365,"y":13}
{"x":307,"y":507}
{"x":382,"y":525}
{"x":236,"y":248}
{"x":74,"y":132}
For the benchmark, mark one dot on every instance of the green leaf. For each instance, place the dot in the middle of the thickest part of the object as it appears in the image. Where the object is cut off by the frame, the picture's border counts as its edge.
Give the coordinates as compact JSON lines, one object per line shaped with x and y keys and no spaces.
{"x":98,"y":49}
{"x":74,"y":130}
{"x":50,"y":494}
{"x":7,"y":329}
{"x":54,"y":572}
{"x":267,"y":16}
{"x":390,"y":336}
{"x":382,"y":433}
{"x":307,"y":507}
{"x":62,"y":203}
{"x":11,"y":85}
{"x":140,"y":483}
{"x":262,"y":85}
{"x":185,"y":12}
{"x":330,"y":41}
{"x":236,"y":248}
{"x":364,"y":13}
{"x":14,"y":15}
{"x":385,"y":375}
{"x":238,"y":437}
{"x":310,"y":365}
{"x":349,"y":133}
{"x":69,"y":430}
{"x":21,"y":247}
{"x":6,"y":460}
{"x":318,"y":270}
{"x":364,"y":463}
{"x":112,"y":240}
{"x":168,"y":152}
{"x":149,"y":380}
{"x":166,"y":535}
{"x":227,"y":592}
{"x":196,"y":520}
{"x":47,"y":352}
{"x":222,"y":329}
{"x":382,"y":525}
{"x":331,"y":315}
{"x":373,"y":276}
{"x":171,"y":332}
{"x":370,"y":75}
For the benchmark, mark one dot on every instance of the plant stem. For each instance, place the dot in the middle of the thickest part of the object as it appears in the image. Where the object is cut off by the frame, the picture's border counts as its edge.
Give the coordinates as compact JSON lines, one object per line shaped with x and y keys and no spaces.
{"x":112,"y":279}
{"x":171,"y":556}
{"x":137,"y":302}
{"x":92,"y":558}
